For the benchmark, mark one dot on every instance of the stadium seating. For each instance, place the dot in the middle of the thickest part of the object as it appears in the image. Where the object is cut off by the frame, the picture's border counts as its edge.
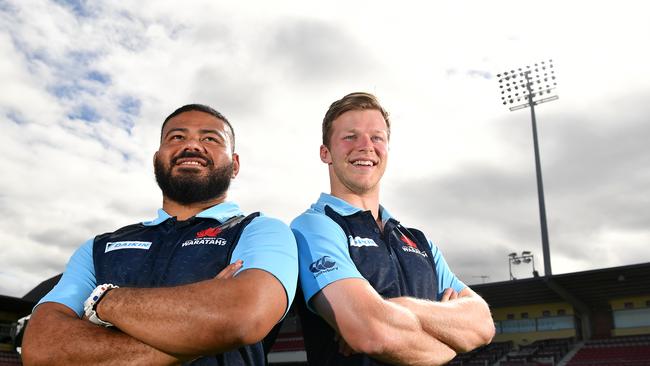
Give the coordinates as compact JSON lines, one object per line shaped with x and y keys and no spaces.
{"x":483,"y":356}
{"x":617,"y":351}
{"x":546,"y":352}
{"x":8,"y":358}
{"x":287,"y":342}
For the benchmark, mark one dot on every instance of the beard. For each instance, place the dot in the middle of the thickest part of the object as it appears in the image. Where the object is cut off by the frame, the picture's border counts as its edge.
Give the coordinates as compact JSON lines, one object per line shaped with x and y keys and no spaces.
{"x":189,"y":187}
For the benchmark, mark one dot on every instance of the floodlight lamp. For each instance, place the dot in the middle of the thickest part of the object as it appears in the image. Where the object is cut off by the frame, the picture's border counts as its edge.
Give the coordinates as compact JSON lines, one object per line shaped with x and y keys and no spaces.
{"x":517,"y":261}
{"x":527,"y":260}
{"x":512,"y":255}
{"x":525,"y":252}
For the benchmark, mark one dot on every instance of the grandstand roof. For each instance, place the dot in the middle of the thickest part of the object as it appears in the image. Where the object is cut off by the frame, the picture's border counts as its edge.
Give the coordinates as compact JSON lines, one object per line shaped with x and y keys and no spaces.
{"x":42,"y":289}
{"x":15,"y":305}
{"x":593,"y":288}
{"x":23,"y":306}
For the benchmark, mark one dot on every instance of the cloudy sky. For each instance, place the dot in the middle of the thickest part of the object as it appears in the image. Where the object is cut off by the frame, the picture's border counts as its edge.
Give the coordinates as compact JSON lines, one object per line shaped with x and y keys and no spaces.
{"x":84,"y":86}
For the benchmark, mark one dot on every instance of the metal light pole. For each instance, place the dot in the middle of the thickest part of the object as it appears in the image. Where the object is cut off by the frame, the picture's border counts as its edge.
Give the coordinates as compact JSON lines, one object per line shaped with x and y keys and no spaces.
{"x":530,"y":84}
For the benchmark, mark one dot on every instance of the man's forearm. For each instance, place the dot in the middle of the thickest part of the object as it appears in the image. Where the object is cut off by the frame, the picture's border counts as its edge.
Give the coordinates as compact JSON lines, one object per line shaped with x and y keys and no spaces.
{"x":463,"y":324}
{"x":378,"y":328}
{"x":408,"y":343}
{"x":206,"y":317}
{"x":55,"y":336}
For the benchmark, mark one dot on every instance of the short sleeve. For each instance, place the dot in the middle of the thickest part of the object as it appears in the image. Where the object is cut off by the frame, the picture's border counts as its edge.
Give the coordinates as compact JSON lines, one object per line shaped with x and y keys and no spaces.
{"x":77,"y":282}
{"x":267,"y":244}
{"x":322,"y":252}
{"x":446,"y":278}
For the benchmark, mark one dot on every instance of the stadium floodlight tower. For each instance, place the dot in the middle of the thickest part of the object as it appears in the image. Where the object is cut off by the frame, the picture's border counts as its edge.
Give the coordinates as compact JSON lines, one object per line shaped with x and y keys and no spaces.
{"x":525,"y":257}
{"x":533,"y":86}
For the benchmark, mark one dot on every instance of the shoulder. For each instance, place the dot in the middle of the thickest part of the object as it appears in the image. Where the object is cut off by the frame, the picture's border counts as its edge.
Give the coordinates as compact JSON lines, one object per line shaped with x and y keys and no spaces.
{"x":266,"y":224}
{"x":313,"y":221}
{"x":264,"y":231}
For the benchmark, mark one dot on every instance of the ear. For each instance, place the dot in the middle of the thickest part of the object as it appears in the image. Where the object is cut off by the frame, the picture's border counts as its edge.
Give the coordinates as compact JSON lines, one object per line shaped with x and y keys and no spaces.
{"x":325,"y":155}
{"x":154,"y":159}
{"x":235,"y":165}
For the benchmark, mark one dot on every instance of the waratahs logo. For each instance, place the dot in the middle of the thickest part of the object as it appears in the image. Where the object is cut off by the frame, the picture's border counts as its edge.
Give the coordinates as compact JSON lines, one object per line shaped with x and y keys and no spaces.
{"x":211,"y":232}
{"x":323,"y":265}
{"x":411,"y":247}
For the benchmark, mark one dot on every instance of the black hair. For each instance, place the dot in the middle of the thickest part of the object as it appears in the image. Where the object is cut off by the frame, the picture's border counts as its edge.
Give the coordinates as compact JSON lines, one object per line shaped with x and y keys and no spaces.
{"x":201,"y":108}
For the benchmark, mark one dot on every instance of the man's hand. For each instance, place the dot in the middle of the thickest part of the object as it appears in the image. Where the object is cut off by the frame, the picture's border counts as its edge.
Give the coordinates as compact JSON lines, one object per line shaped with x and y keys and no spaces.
{"x":230,"y":270}
{"x":460,"y":320}
{"x":449,"y":294}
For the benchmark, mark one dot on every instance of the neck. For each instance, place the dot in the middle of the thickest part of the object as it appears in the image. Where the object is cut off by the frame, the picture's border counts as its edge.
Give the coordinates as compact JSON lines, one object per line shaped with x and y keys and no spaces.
{"x":368,"y":201}
{"x":183,"y":212}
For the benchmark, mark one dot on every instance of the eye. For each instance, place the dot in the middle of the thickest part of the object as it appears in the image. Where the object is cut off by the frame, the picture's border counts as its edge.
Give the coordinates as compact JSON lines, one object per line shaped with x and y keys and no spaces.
{"x":377,"y":139}
{"x":349,"y":137}
{"x":212,"y":139}
{"x":176,"y":137}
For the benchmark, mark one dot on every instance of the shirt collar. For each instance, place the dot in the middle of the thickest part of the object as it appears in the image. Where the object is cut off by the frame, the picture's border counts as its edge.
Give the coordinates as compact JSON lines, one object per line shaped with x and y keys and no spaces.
{"x":343,"y":208}
{"x":221,"y":212}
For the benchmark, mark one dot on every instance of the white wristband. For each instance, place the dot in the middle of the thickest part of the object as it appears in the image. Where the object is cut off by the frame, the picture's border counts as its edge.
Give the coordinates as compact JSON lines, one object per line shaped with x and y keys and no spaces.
{"x":90,"y":305}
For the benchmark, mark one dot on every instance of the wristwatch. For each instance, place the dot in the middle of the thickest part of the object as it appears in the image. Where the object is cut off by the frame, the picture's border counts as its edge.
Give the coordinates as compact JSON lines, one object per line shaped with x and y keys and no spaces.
{"x":90,"y":305}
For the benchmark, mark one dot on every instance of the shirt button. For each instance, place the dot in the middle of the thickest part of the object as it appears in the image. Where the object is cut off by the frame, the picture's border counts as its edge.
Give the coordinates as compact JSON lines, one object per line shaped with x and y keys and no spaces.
{"x":376,"y":230}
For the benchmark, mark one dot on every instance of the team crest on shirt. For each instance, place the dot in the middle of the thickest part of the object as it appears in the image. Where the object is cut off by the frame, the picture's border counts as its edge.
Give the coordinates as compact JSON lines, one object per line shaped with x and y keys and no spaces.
{"x":206,"y":237}
{"x":361,"y":242}
{"x":410,"y":246}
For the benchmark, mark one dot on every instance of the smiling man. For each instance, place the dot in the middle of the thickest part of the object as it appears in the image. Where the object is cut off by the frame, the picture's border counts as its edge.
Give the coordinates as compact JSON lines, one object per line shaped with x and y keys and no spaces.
{"x":376,"y":292}
{"x":200,"y":284}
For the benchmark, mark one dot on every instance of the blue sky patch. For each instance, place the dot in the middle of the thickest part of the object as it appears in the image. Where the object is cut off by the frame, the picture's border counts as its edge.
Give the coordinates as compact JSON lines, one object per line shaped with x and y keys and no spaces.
{"x":16,"y":117}
{"x":99,"y":77}
{"x":78,"y":7}
{"x":86,"y":113}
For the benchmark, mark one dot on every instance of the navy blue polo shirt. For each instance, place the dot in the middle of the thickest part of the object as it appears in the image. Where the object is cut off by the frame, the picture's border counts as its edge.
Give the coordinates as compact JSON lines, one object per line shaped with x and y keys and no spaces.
{"x":324,"y":249}
{"x":167,"y":252}
{"x":265,"y":243}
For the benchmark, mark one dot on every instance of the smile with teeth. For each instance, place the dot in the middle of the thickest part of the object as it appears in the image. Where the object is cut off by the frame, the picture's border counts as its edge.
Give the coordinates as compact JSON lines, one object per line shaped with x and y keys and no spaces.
{"x":188,"y":162}
{"x":363,"y":163}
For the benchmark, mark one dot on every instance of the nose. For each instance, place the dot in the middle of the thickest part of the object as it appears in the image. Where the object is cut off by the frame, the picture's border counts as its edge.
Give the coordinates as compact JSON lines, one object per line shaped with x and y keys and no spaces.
{"x":364,"y":143}
{"x":193,"y":144}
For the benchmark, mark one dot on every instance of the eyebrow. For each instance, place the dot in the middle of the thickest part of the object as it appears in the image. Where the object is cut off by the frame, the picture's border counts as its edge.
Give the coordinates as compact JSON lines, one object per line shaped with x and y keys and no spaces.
{"x":355,"y":130}
{"x":202,"y":131}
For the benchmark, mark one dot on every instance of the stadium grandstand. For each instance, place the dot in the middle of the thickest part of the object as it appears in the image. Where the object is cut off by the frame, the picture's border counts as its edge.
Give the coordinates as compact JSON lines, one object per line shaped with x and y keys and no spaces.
{"x":592,"y":318}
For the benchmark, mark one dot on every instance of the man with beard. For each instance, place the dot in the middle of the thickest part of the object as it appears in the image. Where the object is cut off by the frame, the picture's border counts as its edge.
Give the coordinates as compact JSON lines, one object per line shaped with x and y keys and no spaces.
{"x":201,"y":283}
{"x":377,"y":292}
